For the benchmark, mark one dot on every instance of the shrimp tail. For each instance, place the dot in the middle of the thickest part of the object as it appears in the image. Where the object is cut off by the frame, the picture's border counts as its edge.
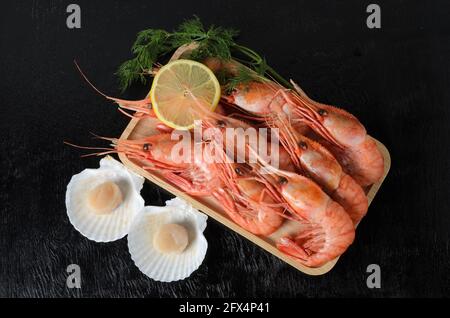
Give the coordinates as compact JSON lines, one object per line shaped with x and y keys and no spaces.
{"x":288,"y":246}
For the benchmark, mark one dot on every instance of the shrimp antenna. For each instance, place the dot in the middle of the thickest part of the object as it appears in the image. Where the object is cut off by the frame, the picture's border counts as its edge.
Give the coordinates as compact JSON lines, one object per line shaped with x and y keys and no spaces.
{"x":88,"y":81}
{"x":126,"y":113}
{"x":95,"y":136}
{"x":267,"y":168}
{"x":286,"y":136}
{"x":105,"y":151}
{"x":141,"y":106}
{"x":298,"y":89}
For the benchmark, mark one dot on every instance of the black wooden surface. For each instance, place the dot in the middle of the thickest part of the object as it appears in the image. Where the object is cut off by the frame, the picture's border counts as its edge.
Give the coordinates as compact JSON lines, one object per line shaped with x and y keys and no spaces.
{"x":395,"y":79}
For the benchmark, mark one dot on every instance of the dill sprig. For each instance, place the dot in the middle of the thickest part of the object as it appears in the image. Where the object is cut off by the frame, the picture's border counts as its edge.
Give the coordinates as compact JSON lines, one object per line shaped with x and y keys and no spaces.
{"x":242,"y":76}
{"x":149,"y":46}
{"x":214,"y":41}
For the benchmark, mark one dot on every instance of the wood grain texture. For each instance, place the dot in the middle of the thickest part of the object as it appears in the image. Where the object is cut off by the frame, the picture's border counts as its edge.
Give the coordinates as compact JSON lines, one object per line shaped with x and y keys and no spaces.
{"x":395,"y":80}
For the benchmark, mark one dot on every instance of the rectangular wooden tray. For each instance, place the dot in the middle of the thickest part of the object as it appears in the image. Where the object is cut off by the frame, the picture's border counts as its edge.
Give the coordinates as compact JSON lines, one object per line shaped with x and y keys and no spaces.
{"x":139,"y":128}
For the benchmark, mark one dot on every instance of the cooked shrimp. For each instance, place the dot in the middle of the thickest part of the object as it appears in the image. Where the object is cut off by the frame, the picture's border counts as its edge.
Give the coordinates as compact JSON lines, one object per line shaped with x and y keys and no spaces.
{"x":345,"y":135}
{"x":331,"y":229}
{"x":315,"y":161}
{"x":256,"y":208}
{"x":156,"y":153}
{"x":358,"y":152}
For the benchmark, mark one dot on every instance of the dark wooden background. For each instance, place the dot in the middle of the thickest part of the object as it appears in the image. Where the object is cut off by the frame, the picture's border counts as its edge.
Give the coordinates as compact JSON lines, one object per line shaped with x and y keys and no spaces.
{"x":395,"y":79}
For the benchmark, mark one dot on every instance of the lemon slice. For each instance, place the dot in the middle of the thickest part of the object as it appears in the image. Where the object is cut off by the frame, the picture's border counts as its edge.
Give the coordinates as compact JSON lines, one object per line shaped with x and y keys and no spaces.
{"x":180,"y":89}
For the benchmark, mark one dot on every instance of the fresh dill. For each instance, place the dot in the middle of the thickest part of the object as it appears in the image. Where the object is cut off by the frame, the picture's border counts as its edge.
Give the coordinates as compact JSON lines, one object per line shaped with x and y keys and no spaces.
{"x":243,"y":76}
{"x":214,"y":41}
{"x":148,"y":47}
{"x":153,"y":44}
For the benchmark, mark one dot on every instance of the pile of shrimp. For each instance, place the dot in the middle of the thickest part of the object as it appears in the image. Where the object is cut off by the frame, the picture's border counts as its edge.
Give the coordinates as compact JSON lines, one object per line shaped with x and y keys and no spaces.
{"x":326,"y":160}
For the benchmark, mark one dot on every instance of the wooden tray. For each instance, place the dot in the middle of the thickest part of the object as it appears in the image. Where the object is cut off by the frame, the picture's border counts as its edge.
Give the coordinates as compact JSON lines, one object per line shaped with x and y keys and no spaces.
{"x":139,"y":128}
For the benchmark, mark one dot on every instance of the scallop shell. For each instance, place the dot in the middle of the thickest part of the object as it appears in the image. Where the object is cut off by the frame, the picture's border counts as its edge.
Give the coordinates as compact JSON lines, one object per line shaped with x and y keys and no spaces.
{"x":167,"y":267}
{"x":104,"y":227}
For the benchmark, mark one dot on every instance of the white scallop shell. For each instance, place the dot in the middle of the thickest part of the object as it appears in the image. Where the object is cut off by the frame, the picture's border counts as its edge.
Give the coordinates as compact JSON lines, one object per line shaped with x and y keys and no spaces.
{"x":104,"y":227}
{"x":167,"y":267}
